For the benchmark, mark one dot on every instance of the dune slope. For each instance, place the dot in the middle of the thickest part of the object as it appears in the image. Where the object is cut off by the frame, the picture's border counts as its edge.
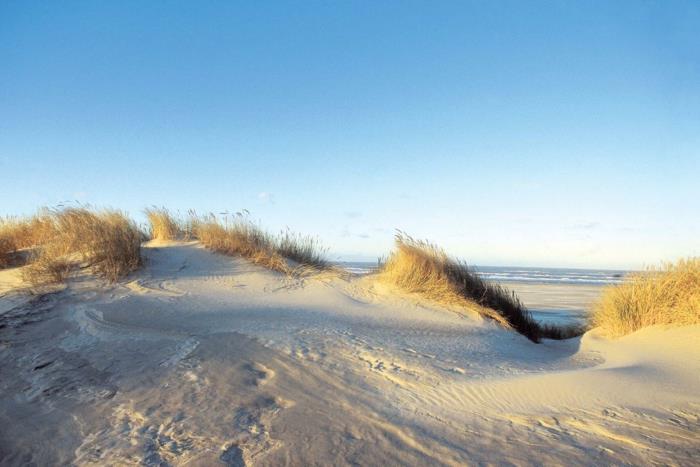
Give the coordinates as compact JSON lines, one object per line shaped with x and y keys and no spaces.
{"x":201,"y":359}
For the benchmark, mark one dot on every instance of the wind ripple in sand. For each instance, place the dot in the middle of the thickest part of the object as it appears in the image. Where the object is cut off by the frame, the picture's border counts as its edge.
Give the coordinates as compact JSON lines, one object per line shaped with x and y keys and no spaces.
{"x":200,"y":410}
{"x":181,"y":352}
{"x":159,"y":373}
{"x":161,"y":288}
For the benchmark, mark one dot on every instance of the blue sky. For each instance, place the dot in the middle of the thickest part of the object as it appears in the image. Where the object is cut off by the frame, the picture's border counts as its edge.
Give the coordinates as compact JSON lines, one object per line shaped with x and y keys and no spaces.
{"x":510,"y":133}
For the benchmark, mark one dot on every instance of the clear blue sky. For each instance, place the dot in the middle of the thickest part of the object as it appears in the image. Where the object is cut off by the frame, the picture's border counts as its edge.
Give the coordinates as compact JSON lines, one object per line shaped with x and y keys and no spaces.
{"x":511,"y":133}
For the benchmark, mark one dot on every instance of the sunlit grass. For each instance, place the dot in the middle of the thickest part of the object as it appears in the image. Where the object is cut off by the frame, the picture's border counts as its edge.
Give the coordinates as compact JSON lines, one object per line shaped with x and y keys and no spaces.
{"x":420,"y":267}
{"x":669,"y":294}
{"x":242,"y":237}
{"x":304,"y":249}
{"x":107,"y":242}
{"x":163,"y":225}
{"x":20,"y":233}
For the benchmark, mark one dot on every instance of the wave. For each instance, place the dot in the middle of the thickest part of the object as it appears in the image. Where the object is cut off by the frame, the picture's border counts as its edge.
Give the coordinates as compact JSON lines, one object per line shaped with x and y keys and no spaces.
{"x":529,"y":275}
{"x":554,"y":279}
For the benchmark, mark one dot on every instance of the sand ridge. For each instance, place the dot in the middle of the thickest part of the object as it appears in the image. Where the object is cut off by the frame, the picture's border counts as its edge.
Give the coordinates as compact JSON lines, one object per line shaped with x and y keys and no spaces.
{"x":201,"y":359}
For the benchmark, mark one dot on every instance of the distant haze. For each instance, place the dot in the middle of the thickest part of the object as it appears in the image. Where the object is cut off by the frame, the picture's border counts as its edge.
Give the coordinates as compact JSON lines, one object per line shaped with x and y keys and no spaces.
{"x":509,"y":133}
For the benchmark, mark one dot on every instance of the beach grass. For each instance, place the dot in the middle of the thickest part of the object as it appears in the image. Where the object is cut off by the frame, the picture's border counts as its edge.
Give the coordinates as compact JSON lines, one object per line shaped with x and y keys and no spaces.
{"x":105,"y":241}
{"x":668,"y":294}
{"x":286,"y":252}
{"x":303,"y":249}
{"x":21,"y":233}
{"x":421,"y":267}
{"x":11,"y":231}
{"x":163,"y":225}
{"x":241,"y":237}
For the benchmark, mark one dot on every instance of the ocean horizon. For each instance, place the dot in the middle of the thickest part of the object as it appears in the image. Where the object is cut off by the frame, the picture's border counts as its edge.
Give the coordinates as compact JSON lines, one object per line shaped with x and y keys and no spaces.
{"x":536,"y":275}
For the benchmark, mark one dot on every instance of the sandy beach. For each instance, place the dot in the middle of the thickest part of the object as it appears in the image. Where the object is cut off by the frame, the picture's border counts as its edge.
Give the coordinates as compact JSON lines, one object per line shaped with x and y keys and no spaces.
{"x":557,"y":303}
{"x":455,"y":233}
{"x":202,"y":359}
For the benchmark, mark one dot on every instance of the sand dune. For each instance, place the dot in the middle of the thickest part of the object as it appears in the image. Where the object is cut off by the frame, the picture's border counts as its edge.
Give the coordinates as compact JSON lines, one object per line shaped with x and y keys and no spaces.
{"x":201,"y":359}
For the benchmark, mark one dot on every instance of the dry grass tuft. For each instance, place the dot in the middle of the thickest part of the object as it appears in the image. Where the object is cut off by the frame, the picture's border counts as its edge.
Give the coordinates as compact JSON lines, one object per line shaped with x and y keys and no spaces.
{"x":163,"y":225}
{"x":241,"y":237}
{"x":106,"y":241}
{"x":20,"y":233}
{"x":421,"y":267}
{"x":303,"y":249}
{"x":190,"y":225}
{"x":666,"y":295}
{"x":7,"y":250}
{"x":9,"y":229}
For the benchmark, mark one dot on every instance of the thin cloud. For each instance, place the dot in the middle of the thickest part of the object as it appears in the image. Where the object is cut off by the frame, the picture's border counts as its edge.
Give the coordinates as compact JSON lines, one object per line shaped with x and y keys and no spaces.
{"x":585,"y":226}
{"x":266,"y":197}
{"x":346,"y":233}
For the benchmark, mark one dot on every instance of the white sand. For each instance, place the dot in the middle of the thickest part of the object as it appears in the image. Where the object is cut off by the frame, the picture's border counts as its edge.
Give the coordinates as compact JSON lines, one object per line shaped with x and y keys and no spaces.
{"x":201,"y":359}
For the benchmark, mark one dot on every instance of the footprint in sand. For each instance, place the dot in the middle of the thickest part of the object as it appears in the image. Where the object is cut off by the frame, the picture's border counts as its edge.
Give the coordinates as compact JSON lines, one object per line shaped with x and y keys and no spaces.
{"x":253,"y":439}
{"x":260,"y":374}
{"x":233,"y":456}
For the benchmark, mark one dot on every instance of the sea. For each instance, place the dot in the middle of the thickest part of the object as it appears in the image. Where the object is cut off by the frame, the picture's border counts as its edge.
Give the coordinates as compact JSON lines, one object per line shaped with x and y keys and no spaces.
{"x":552,"y":295}
{"x":532,"y":275}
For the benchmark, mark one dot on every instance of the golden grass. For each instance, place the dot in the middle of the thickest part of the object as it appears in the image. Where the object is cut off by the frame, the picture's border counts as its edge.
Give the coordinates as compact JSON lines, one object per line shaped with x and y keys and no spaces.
{"x":241,"y":237}
{"x":163,"y":225}
{"x":107,"y":242}
{"x":7,"y":249}
{"x":669,"y":294}
{"x":18,"y":233}
{"x":10,"y":229}
{"x":420,"y":267}
{"x":303,"y":249}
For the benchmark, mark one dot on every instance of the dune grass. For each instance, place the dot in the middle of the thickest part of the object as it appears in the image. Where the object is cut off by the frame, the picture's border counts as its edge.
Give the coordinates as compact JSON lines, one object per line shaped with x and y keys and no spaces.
{"x":163,"y":225}
{"x":420,"y":267}
{"x":239,"y":236}
{"x":20,"y":233}
{"x":242,"y":237}
{"x":107,"y":242}
{"x":669,"y":294}
{"x":10,"y":230}
{"x":303,"y":249}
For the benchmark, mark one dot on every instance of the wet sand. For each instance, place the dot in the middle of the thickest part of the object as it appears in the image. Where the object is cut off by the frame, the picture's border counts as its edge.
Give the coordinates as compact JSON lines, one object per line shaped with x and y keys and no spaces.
{"x":557,"y":303}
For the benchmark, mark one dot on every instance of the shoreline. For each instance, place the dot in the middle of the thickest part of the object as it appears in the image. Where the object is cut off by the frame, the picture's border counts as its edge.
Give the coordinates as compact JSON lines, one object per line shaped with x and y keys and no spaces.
{"x":557,"y":303}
